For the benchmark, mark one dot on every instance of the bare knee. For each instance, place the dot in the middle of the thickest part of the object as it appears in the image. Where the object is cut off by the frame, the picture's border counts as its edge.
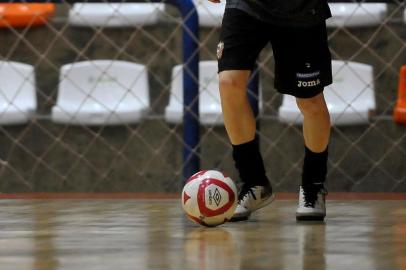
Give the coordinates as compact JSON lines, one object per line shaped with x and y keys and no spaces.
{"x":233,"y":84}
{"x":312,"y":106}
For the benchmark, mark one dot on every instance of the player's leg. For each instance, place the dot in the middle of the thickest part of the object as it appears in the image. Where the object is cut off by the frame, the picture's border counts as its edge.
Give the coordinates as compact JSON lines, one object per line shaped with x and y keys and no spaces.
{"x":240,"y":43}
{"x":303,"y":71}
{"x":316,"y":122}
{"x":240,"y":124}
{"x":238,"y":117}
{"x":316,"y":133}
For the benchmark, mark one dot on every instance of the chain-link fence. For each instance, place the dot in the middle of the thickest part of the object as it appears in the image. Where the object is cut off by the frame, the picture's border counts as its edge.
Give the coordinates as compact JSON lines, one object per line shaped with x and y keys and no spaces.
{"x":111,"y":137}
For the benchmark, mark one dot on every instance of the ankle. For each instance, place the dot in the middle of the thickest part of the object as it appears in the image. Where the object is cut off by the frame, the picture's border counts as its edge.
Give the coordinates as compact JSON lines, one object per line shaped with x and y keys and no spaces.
{"x":314,"y":167}
{"x":249,"y":163}
{"x":313,"y":187}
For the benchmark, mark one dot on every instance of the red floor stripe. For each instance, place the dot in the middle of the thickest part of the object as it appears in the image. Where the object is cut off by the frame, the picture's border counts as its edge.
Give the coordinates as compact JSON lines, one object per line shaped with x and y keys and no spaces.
{"x":350,"y":196}
{"x":129,"y":196}
{"x":83,"y":196}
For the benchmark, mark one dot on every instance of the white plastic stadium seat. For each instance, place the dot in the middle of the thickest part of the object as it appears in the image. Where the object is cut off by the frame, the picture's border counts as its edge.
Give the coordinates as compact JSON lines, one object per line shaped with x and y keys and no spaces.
{"x":17,"y":93}
{"x":210,"y":14}
{"x":115,"y":14}
{"x":354,"y":14}
{"x":349,"y":99}
{"x":209,"y":98}
{"x":102,"y":92}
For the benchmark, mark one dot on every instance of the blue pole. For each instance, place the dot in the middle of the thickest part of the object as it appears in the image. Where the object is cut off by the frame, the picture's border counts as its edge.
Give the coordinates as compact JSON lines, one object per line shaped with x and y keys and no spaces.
{"x":191,"y":126}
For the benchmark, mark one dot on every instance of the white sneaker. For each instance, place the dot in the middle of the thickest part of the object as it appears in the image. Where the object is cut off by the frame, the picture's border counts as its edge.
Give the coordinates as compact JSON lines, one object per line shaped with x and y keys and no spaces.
{"x":312,"y":204}
{"x":251,"y":199}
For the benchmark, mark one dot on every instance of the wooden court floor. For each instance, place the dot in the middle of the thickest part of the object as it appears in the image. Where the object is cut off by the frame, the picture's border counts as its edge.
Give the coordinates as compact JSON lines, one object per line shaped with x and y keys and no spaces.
{"x":137,"y":234}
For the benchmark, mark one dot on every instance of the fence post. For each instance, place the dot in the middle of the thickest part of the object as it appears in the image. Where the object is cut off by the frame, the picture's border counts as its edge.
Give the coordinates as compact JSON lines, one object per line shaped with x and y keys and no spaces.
{"x":191,"y":126}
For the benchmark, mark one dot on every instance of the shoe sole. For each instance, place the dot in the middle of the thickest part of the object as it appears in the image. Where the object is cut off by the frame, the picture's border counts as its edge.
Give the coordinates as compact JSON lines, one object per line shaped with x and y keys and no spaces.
{"x":237,"y":219}
{"x":263,"y":204}
{"x":310,"y":217}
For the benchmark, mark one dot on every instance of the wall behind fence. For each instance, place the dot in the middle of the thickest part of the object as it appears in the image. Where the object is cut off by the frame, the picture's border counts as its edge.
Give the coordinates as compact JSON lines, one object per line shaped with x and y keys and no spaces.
{"x":43,"y":156}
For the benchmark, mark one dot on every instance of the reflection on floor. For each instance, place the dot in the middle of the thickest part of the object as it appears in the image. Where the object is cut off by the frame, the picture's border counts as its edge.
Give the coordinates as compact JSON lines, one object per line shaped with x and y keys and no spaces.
{"x":153,"y":234}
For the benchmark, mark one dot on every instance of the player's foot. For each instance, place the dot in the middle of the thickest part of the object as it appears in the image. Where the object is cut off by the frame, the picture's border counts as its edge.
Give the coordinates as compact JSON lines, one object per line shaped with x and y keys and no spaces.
{"x":312,"y":203}
{"x":251,"y":199}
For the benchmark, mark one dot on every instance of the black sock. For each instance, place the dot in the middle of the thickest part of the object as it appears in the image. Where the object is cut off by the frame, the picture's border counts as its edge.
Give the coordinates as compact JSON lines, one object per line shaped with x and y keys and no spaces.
{"x":249,"y":163}
{"x":314,"y":169}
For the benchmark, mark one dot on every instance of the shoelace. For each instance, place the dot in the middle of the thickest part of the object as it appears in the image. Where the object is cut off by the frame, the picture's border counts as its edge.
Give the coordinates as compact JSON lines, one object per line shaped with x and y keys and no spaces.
{"x":245,"y":191}
{"x":311,"y":194}
{"x":310,"y":198}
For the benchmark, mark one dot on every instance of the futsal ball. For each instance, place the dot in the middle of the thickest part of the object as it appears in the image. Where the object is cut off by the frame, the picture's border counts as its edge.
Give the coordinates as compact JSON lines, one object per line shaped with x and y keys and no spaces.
{"x":209,"y":198}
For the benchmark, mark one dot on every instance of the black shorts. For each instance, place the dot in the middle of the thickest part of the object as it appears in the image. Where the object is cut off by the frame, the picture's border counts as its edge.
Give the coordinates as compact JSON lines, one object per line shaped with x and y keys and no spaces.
{"x":302,"y":57}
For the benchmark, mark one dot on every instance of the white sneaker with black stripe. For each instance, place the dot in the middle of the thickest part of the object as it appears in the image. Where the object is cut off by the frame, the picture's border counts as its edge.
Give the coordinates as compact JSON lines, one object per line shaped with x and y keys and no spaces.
{"x":251,"y":199}
{"x":312,"y":204}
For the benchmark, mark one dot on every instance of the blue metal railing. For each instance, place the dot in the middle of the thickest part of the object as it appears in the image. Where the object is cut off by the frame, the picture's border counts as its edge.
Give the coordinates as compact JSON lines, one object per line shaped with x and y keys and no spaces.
{"x":191,"y":127}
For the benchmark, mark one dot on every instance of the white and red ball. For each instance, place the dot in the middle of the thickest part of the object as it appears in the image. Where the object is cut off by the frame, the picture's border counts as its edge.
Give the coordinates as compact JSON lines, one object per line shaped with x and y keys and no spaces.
{"x":209,"y":198}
